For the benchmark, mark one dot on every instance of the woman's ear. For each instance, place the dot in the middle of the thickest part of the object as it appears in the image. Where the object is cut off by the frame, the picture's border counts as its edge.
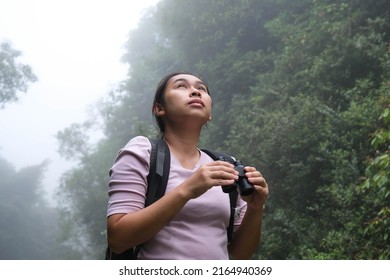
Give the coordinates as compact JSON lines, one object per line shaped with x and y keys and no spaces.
{"x":158,"y":110}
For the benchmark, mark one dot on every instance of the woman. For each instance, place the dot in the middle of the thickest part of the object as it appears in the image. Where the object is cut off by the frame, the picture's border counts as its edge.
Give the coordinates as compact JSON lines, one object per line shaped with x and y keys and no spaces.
{"x":190,"y":220}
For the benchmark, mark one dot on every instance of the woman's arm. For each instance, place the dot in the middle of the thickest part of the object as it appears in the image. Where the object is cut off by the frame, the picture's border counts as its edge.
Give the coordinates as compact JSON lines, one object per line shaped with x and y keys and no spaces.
{"x":247,"y":237}
{"x":128,"y":230}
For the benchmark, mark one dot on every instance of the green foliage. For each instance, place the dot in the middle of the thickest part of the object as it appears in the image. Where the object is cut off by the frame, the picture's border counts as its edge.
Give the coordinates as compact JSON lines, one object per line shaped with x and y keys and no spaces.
{"x":14,"y":76}
{"x":297,"y":88}
{"x":376,"y":190}
{"x":28,"y":226}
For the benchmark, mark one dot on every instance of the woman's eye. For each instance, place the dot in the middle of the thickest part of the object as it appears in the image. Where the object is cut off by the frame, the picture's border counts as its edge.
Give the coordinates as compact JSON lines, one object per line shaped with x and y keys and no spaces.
{"x":181,"y":86}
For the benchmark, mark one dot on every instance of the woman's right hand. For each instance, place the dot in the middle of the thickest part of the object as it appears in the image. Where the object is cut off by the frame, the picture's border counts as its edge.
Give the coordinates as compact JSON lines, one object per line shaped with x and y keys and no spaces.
{"x":216,"y":173}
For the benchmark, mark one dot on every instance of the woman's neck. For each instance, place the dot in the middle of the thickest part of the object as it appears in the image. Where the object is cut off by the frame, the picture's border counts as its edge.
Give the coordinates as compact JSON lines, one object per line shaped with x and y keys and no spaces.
{"x":186,"y":141}
{"x":184,"y":145}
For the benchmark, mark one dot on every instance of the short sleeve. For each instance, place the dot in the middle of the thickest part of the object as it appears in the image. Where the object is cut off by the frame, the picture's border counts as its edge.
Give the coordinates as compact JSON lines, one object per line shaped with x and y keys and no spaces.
{"x":128,"y":177}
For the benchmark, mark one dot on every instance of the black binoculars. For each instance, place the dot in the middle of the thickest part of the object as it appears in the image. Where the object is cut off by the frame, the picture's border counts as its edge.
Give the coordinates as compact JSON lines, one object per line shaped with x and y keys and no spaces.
{"x":242,"y":183}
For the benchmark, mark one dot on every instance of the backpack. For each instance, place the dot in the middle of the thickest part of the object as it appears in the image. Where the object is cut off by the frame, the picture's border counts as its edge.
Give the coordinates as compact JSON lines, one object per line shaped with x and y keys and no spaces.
{"x":157,"y":179}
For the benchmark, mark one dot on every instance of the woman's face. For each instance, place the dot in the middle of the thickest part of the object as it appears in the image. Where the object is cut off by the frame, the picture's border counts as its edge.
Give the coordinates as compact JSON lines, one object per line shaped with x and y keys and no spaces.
{"x":185,"y":96}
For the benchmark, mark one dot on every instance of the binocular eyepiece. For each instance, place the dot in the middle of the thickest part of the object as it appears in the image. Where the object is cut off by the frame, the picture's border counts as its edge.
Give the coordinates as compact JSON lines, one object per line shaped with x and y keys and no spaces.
{"x":242,"y":184}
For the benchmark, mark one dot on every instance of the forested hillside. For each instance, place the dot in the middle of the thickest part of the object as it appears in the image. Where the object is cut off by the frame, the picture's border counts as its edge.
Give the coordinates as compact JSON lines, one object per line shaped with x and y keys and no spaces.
{"x":300,"y":90}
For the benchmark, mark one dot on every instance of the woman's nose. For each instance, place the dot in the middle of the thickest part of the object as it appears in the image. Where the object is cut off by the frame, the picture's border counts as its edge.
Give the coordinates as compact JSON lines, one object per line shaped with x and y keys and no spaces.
{"x":195,"y":92}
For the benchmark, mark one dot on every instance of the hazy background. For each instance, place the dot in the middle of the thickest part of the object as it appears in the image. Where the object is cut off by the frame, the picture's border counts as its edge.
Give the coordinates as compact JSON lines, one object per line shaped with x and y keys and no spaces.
{"x":74,"y":48}
{"x":300,"y":88}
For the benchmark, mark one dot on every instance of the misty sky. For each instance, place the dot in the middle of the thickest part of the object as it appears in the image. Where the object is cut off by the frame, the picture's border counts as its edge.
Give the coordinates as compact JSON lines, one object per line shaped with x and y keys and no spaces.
{"x":74,"y":48}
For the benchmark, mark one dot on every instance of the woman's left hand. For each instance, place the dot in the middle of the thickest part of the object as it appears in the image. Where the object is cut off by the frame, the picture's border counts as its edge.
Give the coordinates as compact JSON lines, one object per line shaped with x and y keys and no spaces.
{"x":257,"y":199}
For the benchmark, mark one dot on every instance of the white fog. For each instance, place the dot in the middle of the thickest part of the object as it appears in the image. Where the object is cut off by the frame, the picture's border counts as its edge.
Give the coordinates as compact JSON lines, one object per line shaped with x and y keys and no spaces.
{"x":74,"y":49}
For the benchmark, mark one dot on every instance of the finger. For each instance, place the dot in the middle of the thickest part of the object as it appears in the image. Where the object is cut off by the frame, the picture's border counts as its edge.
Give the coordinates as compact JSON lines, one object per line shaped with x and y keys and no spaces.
{"x":258,"y":181}
{"x":252,"y":174}
{"x":224,"y":175}
{"x":222,"y":166}
{"x":222,"y":163}
{"x":221,"y":182}
{"x":251,"y":169}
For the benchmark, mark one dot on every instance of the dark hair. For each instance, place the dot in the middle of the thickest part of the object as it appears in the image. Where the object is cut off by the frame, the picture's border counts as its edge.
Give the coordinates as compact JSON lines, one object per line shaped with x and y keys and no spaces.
{"x":159,"y":96}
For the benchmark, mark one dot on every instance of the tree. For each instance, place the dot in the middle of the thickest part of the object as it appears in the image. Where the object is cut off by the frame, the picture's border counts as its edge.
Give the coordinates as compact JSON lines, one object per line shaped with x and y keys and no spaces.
{"x":28,"y":226}
{"x":14,"y":76}
{"x":82,"y":194}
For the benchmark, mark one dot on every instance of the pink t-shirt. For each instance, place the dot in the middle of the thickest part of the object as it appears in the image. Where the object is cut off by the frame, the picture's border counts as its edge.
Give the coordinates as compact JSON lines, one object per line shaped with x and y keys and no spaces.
{"x":198,"y":231}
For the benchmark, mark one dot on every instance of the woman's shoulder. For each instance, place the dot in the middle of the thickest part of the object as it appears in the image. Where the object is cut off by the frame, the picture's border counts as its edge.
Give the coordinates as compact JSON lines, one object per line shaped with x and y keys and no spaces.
{"x":139,"y":145}
{"x":135,"y":154}
{"x":138,"y":141}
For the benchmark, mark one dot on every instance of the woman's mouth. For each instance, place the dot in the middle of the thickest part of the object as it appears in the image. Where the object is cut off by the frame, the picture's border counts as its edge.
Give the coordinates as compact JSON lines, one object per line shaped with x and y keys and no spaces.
{"x":196,"y":103}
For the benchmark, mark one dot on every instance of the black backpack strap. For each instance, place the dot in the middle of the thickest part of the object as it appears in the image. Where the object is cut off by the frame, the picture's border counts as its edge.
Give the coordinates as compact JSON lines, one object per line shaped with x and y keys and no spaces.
{"x":232,"y":195}
{"x":160,"y":160}
{"x":233,"y":211}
